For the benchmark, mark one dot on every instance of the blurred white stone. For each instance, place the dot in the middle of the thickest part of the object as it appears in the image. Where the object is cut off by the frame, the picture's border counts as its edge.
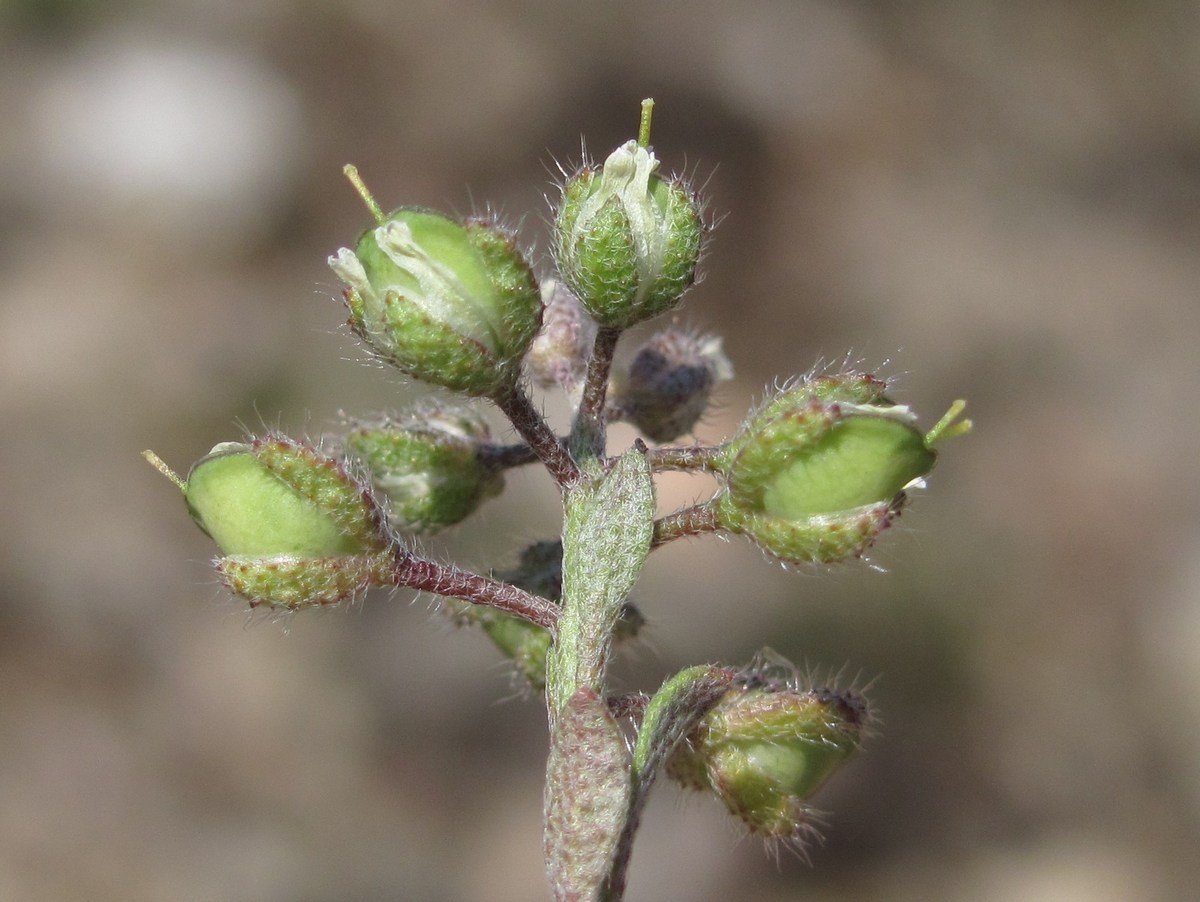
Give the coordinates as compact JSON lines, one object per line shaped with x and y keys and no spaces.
{"x":149,"y":135}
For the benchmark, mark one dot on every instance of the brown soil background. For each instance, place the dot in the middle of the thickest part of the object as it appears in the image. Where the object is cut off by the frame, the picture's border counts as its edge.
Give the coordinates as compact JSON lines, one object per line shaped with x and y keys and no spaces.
{"x":995,"y":201}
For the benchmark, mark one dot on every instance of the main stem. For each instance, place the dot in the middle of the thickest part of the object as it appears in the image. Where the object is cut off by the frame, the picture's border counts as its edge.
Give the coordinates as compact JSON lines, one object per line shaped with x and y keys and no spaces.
{"x":608,"y":526}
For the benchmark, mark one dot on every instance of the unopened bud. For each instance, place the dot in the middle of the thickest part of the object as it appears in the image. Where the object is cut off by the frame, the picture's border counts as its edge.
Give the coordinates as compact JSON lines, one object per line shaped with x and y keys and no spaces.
{"x":627,"y":240}
{"x":427,"y":462}
{"x":456,"y":305}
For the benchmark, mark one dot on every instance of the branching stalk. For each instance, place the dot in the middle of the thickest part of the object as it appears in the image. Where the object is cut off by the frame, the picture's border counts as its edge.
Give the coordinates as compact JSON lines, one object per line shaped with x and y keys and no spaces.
{"x":688,"y":458}
{"x":506,"y":457}
{"x":412,"y":572}
{"x":532,"y":426}
{"x":588,"y":431}
{"x":691,"y":521}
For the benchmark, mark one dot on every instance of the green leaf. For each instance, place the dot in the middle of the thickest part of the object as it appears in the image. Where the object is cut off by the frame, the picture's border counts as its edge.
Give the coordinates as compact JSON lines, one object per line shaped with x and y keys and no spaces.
{"x":606,"y":538}
{"x":587,"y":796}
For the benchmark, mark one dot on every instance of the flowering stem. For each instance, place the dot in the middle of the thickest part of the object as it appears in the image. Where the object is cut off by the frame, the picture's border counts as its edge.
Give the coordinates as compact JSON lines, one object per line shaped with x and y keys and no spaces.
{"x":588,"y":432}
{"x":694,"y":457}
{"x":505,"y":457}
{"x":413,"y":572}
{"x":541,"y":438}
{"x":607,"y":528}
{"x":691,"y":521}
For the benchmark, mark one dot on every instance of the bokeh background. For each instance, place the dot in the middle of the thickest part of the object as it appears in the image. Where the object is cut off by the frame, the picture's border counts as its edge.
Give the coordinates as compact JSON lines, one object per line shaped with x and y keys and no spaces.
{"x":988,"y":200}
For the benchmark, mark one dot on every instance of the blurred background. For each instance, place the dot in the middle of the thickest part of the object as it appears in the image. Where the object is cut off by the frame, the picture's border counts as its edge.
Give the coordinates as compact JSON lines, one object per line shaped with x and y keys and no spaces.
{"x":995,"y":201}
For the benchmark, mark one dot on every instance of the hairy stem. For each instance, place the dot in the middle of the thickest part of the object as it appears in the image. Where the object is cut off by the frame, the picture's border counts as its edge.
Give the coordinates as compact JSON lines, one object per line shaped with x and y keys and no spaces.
{"x":533,"y":427}
{"x":412,"y":572}
{"x":607,"y":528}
{"x":588,"y":431}
{"x":505,"y":457}
{"x":691,"y":521}
{"x":692,"y":457}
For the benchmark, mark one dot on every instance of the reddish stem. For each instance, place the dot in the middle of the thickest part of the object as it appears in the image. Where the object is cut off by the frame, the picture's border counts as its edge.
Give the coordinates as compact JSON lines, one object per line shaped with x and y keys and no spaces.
{"x":691,"y":457}
{"x":533,"y":427}
{"x":588,"y":433}
{"x":413,"y":572}
{"x":691,"y":521}
{"x":505,"y":457}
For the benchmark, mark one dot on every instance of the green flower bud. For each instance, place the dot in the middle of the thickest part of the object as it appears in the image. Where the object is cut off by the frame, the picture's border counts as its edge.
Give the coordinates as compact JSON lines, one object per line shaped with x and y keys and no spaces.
{"x":428,"y":465}
{"x":765,"y":750}
{"x":456,"y":305}
{"x":276,"y":496}
{"x":822,"y":469}
{"x":668,"y":385}
{"x":626,"y":240}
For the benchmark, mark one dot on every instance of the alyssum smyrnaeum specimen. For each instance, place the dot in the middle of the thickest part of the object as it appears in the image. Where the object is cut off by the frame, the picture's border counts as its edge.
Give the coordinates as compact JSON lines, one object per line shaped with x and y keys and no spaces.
{"x":813,"y":476}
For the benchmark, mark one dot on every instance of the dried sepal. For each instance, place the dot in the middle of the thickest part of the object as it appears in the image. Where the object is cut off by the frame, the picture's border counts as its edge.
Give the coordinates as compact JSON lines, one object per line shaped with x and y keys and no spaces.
{"x":668,"y":384}
{"x":559,"y":353}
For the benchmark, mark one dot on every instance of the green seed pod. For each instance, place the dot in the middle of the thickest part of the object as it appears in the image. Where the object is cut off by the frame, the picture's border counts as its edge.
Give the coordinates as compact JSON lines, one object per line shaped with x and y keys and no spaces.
{"x":821,"y":470}
{"x":276,"y":496}
{"x":669,"y":383}
{"x":452,"y":304}
{"x":765,"y":750}
{"x":295,"y":528}
{"x":428,"y":464}
{"x":626,"y":240}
